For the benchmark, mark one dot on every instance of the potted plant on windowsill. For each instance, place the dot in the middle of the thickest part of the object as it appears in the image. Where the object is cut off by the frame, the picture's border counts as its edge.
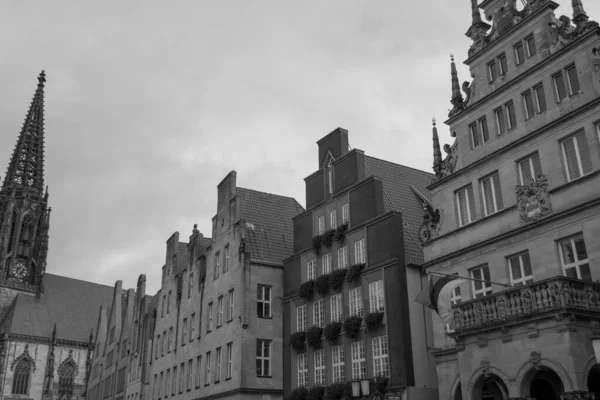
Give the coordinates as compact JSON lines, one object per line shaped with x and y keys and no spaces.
{"x":297,"y":341}
{"x":316,"y":242}
{"x":313,"y":336}
{"x":340,"y":232}
{"x":374,"y":320}
{"x":332,"y":332}
{"x":322,"y":285}
{"x":300,"y":393}
{"x":316,"y":393}
{"x":327,"y":237}
{"x":354,"y":272}
{"x":336,"y":279}
{"x":307,"y":289}
{"x":352,"y":325}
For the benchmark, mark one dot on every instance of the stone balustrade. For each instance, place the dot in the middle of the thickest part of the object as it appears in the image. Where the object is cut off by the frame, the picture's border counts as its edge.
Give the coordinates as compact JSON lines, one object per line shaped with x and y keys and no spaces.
{"x":558,"y":294}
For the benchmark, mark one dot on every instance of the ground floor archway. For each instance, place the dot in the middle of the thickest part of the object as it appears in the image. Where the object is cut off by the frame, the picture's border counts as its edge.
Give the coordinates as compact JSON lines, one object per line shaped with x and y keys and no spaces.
{"x":490,"y":387}
{"x":545,"y":384}
{"x":457,"y":392}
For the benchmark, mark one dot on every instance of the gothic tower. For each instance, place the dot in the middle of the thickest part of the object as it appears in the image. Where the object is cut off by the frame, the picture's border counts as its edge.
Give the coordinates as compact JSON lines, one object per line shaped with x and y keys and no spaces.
{"x":24,"y":212}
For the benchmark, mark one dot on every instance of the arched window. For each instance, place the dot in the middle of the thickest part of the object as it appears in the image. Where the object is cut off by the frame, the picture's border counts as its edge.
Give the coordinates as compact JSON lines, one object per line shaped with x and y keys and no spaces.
{"x":24,"y":248}
{"x":22,"y":372}
{"x":66,"y":377}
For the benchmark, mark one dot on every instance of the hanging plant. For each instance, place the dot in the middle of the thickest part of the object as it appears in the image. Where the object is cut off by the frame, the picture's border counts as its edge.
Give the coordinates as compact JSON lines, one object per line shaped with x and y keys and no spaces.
{"x":297,"y":341}
{"x":336,"y":279}
{"x":327,"y":237}
{"x":374,"y":320}
{"x":340,"y":232}
{"x":339,"y":391}
{"x":332,"y":332}
{"x":354,"y":272}
{"x":322,"y":284}
{"x":307,"y":289}
{"x":299,"y":394}
{"x":316,"y":242}
{"x":313,"y":336}
{"x":316,"y":393}
{"x":352,"y":326}
{"x":378,"y":384}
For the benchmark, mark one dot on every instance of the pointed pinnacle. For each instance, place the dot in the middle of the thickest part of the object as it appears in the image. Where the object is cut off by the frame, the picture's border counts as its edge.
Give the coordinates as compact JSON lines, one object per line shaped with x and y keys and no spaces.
{"x":42,"y":78}
{"x":456,"y":94}
{"x":579,"y":14}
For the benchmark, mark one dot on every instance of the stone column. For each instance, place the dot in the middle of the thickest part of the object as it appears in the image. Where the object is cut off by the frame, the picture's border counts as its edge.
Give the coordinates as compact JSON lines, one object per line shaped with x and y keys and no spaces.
{"x":577,"y":395}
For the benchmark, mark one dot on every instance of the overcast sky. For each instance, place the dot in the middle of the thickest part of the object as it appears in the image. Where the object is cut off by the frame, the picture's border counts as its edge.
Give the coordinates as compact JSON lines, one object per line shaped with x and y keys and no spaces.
{"x":149,"y":104}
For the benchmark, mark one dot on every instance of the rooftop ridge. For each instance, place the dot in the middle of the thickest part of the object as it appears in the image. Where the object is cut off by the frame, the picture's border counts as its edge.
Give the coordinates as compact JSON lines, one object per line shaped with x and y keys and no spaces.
{"x":401,"y":165}
{"x":270,"y":194}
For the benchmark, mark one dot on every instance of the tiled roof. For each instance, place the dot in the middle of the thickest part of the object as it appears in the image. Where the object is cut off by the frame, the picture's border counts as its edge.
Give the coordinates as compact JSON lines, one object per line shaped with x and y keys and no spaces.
{"x":70,"y":303}
{"x":272,"y":238}
{"x":398,"y":196}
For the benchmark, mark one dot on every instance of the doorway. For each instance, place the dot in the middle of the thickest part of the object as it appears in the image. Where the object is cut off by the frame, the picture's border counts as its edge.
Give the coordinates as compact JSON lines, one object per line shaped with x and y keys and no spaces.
{"x":545,"y":384}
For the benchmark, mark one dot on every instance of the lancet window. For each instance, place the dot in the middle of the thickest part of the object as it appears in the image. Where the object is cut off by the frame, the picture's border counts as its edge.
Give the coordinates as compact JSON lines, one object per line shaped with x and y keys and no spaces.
{"x":21,"y":376}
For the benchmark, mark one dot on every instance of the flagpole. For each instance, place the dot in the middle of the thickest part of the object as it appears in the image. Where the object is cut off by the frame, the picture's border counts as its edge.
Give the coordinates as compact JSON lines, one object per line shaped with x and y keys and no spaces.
{"x":471,"y":279}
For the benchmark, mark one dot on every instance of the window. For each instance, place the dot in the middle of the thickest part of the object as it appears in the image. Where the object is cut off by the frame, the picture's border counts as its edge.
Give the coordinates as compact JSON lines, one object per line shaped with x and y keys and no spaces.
{"x":530,"y":46}
{"x":528,"y":104}
{"x":503,"y":68}
{"x":154,"y":387}
{"x":189,"y":374}
{"x":333,"y":219}
{"x":207,"y":369}
{"x":598,"y":130}
{"x":559,"y":86}
{"x":311,"y":270}
{"x":576,"y":156}
{"x":326,"y":263}
{"x":184,"y":332}
{"x":492,"y":72}
{"x":192,"y":326}
{"x":345,"y":214}
{"x":572,"y":79}
{"x":263,"y":302}
{"x":321,"y":224}
{"x":174,"y":382}
{"x":169,"y":302}
{"x":574,"y":258}
{"x":163,"y":343}
{"x":164,"y":303}
{"x":22,"y":373}
{"x":338,"y":364}
{"x":156,"y":352}
{"x":492,"y":194}
{"x":170,"y":339}
{"x":376,"y":297}
{"x":168,"y":383}
{"x":465,"y":205}
{"x":318,"y":317}
{"x":540,"y":98}
{"x":319,"y":357}
{"x":231,"y":309}
{"x":520,"y":269}
{"x":220,"y":314}
{"x":356,"y":303}
{"x":263,"y":357}
{"x":343,"y":257}
{"x":519,"y":53}
{"x":566,"y":87}
{"x":500,"y":120}
{"x":229,"y":360}
{"x":226,"y":263}
{"x":302,"y":364}
{"x":481,"y":286}
{"x":198,"y":371}
{"x":381,"y":365}
{"x":337,"y":310}
{"x":218,"y":361}
{"x":181,"y":376}
{"x":360,"y":256}
{"x":483,"y":127}
{"x":359,"y":363}
{"x":529,"y":169}
{"x":217,"y":265}
{"x":301,"y":318}
{"x":474,"y":135}
{"x":455,"y":296}
{"x":209,"y":325}
{"x":510,"y":114}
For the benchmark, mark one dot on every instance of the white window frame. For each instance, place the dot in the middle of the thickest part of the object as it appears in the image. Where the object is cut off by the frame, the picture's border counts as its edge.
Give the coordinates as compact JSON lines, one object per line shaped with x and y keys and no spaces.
{"x":210,"y":317}
{"x":527,"y":47}
{"x":578,"y":263}
{"x":265,"y":303}
{"x":184,"y":332}
{"x":326,"y":264}
{"x":221,"y":311}
{"x":528,"y":115}
{"x":381,"y":363}
{"x":492,"y":70}
{"x":217,"y":269}
{"x":301,"y":318}
{"x":474,"y":134}
{"x":509,"y":124}
{"x":319,"y":361}
{"x":231,"y":303}
{"x":529,"y":160}
{"x":359,"y":361}
{"x":262,"y":358}
{"x":485,"y":290}
{"x":226,"y":263}
{"x":468,"y":206}
{"x":338,"y":363}
{"x":333,"y":219}
{"x":568,"y":79}
{"x":577,"y":156}
{"x":198,"y":382}
{"x":337,"y":308}
{"x":207,"y":369}
{"x":376,"y":296}
{"x":518,"y":60}
{"x":480,"y":126}
{"x":302,"y":367}
{"x":190,"y":374}
{"x":491,"y":177}
{"x":321,"y":224}
{"x":356,"y":302}
{"x":524,"y":279}
{"x":343,"y":257}
{"x":318,"y":314}
{"x":311,"y":270}
{"x":218,"y":361}
{"x":538,"y":104}
{"x":345,"y":213}
{"x":501,"y":70}
{"x":499,"y":118}
{"x":360,"y":251}
{"x":229,"y":360}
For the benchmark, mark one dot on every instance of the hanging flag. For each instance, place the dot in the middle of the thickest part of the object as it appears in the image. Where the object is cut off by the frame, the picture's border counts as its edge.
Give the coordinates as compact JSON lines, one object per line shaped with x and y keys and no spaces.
{"x":438,"y":294}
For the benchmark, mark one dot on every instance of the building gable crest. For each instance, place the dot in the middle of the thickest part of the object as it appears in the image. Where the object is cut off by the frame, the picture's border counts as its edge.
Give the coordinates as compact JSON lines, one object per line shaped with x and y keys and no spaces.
{"x":24,"y":356}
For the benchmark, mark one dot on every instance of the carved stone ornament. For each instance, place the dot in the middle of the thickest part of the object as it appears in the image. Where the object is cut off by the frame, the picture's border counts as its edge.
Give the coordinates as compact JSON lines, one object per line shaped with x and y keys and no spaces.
{"x":24,"y":356}
{"x":533,"y":201}
{"x":449,"y":164}
{"x":562,"y":32}
{"x":432,"y":222}
{"x":485,"y":365}
{"x":577,"y":395}
{"x":469,"y":89}
{"x":536,"y":359}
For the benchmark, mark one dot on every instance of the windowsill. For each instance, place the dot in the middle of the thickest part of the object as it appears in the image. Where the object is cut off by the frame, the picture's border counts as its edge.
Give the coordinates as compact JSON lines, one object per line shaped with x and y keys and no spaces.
{"x":264,"y":376}
{"x":217,"y":382}
{"x":229,"y":320}
{"x":228,"y":379}
{"x":271,"y":317}
{"x":206,"y":384}
{"x":573,"y":182}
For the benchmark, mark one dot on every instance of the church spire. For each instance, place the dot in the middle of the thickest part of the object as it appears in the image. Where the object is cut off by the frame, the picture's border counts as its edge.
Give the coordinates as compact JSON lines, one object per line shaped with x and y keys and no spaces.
{"x":437,"y":152}
{"x":579,"y":14}
{"x":457,"y":99}
{"x":26,"y":168}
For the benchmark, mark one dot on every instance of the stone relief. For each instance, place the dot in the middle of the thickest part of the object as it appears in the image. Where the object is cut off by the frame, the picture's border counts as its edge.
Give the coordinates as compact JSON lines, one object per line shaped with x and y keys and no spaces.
{"x":485,"y":365}
{"x":432,"y":222}
{"x":533,"y":200}
{"x":536,"y":358}
{"x":450,"y":164}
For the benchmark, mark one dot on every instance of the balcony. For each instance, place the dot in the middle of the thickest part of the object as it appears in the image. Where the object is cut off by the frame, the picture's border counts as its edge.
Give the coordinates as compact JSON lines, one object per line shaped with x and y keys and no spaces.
{"x":516,"y":305}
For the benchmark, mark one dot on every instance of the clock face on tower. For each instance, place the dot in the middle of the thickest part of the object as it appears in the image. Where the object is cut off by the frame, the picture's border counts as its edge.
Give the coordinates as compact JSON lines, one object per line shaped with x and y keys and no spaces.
{"x":19,"y":270}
